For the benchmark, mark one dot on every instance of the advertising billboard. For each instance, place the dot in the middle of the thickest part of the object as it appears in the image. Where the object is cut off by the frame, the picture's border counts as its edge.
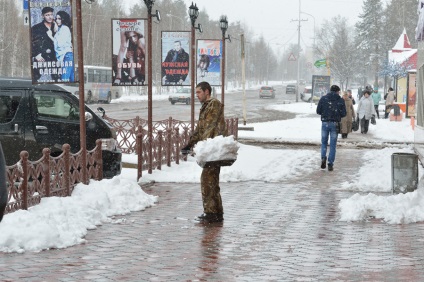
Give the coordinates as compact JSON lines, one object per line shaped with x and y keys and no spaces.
{"x":320,"y":85}
{"x":209,"y":61}
{"x":175,"y":67}
{"x":128,"y":52}
{"x":52,"y":56}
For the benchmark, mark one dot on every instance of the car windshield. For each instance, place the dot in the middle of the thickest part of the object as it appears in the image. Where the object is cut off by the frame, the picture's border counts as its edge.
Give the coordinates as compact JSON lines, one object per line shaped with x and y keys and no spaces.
{"x":266,"y":88}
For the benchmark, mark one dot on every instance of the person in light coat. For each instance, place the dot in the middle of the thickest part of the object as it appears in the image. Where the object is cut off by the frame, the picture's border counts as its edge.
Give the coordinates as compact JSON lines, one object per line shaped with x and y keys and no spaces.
{"x":390,"y":100}
{"x":350,"y":115}
{"x":366,"y":111}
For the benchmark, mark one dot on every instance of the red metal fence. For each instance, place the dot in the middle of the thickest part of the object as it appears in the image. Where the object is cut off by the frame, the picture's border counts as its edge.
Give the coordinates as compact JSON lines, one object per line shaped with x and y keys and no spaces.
{"x":29,"y":181}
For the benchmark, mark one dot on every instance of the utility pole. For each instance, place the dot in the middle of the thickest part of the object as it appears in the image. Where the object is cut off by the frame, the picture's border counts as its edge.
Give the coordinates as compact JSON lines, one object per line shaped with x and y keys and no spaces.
{"x":298,"y":53}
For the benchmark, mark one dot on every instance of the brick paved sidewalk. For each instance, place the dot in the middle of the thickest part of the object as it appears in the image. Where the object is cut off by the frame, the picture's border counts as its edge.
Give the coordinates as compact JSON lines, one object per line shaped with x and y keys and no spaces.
{"x":286,"y":231}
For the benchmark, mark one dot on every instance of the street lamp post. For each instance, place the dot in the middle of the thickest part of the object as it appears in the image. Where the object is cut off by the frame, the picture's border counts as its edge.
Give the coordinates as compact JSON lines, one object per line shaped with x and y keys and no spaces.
{"x":193,"y":11}
{"x":149,"y":4}
{"x":223,"y":22}
{"x":83,"y":144}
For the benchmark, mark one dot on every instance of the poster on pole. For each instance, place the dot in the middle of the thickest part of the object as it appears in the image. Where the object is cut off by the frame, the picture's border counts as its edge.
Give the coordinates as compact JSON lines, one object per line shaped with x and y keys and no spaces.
{"x":320,"y":85}
{"x":52,"y":56}
{"x":411,"y":94}
{"x":175,"y":67}
{"x":209,"y":61}
{"x":129,"y":52}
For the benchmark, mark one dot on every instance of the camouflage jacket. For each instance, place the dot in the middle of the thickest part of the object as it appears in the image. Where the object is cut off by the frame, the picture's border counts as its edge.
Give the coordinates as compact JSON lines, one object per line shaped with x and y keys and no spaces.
{"x":211,"y":122}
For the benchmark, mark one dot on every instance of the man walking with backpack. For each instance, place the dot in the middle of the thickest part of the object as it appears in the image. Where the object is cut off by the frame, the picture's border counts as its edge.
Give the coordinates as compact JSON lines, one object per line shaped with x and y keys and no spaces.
{"x":332,"y":108}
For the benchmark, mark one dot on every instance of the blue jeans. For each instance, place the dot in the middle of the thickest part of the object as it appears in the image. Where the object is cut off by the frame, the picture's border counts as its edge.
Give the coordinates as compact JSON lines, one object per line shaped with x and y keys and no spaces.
{"x":69,"y":75}
{"x":328,"y":129}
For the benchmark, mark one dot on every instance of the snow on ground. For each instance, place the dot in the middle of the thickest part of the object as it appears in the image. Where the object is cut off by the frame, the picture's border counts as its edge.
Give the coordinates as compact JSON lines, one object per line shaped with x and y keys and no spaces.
{"x":63,"y":222}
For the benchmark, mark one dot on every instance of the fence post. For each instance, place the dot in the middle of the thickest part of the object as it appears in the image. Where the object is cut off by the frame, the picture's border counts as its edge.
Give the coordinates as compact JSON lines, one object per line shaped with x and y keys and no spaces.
{"x":66,"y":148}
{"x":99,"y":160}
{"x":236,"y":130}
{"x":169,"y":146}
{"x":24,"y":187}
{"x":177,"y":144}
{"x":46,"y":171}
{"x":159,"y":160}
{"x":139,"y":142}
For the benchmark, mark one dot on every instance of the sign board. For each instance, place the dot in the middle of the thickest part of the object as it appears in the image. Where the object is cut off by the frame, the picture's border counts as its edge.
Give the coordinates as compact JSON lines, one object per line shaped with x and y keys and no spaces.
{"x":25,"y":2}
{"x":320,"y":85}
{"x":292,"y":57}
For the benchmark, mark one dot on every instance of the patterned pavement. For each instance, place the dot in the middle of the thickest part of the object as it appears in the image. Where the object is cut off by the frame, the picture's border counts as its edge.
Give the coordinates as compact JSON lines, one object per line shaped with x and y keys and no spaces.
{"x":285,"y":231}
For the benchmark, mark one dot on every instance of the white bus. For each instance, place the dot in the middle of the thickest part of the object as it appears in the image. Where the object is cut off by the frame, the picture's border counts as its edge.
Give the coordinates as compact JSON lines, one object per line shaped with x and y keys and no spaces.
{"x":97,"y":85}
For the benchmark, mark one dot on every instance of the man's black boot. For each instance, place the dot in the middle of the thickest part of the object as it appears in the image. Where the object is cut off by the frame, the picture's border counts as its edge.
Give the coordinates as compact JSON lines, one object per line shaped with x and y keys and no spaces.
{"x":323,"y":162}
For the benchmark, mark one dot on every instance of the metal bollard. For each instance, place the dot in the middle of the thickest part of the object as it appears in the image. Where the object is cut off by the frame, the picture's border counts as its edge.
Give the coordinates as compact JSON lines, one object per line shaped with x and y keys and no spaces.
{"x":404,"y":172}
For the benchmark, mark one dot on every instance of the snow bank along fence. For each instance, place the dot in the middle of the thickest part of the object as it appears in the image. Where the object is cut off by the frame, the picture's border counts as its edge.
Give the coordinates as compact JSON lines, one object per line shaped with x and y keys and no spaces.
{"x":29,"y":181}
{"x":169,"y":136}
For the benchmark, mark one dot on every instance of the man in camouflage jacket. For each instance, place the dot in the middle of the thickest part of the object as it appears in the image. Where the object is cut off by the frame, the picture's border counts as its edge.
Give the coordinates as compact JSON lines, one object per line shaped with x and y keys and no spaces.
{"x":211,"y":123}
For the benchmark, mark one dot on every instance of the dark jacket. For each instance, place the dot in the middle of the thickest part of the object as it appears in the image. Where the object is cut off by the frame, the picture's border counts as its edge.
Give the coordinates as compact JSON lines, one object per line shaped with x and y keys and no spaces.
{"x":42,"y":43}
{"x":179,"y":70}
{"x":331,"y":107}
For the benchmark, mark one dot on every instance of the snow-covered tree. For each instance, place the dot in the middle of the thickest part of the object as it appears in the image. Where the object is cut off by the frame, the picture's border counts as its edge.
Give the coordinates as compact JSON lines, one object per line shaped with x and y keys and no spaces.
{"x":369,"y":35}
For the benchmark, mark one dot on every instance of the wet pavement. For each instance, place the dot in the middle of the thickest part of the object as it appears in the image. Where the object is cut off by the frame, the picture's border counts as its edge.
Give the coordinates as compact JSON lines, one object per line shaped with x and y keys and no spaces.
{"x":285,"y":231}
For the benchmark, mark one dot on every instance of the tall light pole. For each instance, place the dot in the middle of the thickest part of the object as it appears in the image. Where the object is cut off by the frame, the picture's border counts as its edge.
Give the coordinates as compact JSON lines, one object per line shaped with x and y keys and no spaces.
{"x":83,"y":144}
{"x":223,"y":22}
{"x":193,"y":12}
{"x":298,"y":57}
{"x":149,"y":4}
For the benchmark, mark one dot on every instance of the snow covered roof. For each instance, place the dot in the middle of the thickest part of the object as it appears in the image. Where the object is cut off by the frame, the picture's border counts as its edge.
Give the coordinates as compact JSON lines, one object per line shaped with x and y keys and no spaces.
{"x":400,"y":57}
{"x":402,"y":43}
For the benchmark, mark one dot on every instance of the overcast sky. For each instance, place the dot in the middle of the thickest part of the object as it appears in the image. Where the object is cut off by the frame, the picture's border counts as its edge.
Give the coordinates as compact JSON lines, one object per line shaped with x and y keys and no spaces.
{"x":273,"y":18}
{"x":276,"y":20}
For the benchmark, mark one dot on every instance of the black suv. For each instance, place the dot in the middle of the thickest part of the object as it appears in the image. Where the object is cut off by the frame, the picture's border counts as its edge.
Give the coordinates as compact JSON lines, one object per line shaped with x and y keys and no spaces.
{"x":33,"y":117}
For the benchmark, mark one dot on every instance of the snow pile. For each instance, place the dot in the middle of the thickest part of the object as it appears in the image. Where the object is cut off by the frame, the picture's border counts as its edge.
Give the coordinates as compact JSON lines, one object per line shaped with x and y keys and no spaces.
{"x":216,"y":149}
{"x":394,"y":209}
{"x":60,"y":222}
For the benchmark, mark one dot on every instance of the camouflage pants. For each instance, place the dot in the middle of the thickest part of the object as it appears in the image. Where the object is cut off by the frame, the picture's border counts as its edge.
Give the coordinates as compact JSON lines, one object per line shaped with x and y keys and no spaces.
{"x":209,"y":182}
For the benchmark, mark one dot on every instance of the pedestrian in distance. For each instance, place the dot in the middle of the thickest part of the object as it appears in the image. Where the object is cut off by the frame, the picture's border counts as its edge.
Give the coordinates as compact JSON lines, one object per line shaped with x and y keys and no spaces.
{"x":332,"y":108}
{"x":376,"y":97}
{"x":390,"y":100}
{"x":366,"y":111}
{"x":350,"y":115}
{"x":211,"y":123}
{"x":349,"y":92}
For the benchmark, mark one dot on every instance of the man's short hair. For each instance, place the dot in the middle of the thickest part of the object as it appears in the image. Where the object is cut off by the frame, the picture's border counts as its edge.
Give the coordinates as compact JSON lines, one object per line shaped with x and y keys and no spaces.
{"x":47,"y":10}
{"x":334,"y":88}
{"x":204,"y":85}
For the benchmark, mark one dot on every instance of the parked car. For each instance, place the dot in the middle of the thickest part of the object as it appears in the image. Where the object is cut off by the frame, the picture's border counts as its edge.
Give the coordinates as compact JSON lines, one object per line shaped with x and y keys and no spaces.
{"x":290,"y":89}
{"x":306,"y":94}
{"x":34,"y":117}
{"x":267,"y":91}
{"x":183,"y":95}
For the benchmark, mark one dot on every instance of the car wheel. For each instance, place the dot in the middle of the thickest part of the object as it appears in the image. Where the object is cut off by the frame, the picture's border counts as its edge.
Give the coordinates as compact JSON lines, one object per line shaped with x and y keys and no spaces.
{"x":173,"y":103}
{"x":188,"y":102}
{"x":309,"y":100}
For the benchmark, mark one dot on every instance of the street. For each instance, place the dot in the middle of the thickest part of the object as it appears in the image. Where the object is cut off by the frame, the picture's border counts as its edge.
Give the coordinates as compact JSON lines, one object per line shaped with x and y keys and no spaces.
{"x":162,"y":109}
